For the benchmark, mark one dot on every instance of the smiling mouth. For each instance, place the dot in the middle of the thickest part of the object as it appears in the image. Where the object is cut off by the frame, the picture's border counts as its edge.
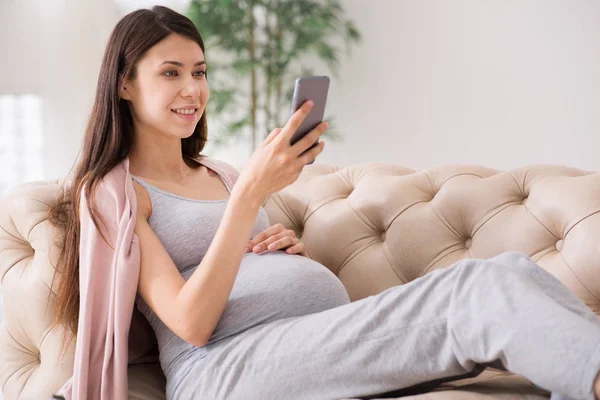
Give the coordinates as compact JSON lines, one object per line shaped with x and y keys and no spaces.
{"x":188,"y":114}
{"x":185,"y":111}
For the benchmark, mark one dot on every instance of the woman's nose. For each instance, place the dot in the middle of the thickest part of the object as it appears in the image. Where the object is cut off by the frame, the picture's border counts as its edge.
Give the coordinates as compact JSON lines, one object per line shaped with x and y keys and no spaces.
{"x":191,"y":88}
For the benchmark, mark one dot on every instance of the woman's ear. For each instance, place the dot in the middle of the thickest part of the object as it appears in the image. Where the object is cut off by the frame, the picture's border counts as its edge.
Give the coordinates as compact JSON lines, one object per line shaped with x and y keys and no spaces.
{"x":125,"y":93}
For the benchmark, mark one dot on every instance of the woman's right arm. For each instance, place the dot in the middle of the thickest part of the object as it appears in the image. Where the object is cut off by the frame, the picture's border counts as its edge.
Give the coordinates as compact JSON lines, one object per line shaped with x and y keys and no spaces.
{"x":193,"y":308}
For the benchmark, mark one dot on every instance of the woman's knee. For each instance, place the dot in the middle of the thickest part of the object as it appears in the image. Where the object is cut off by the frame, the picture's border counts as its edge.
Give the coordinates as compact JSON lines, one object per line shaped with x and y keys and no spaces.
{"x":494,"y":270}
{"x":513,"y":258}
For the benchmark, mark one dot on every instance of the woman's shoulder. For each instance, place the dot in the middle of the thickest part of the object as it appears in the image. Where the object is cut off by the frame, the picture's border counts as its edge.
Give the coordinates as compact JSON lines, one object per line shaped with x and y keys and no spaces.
{"x":216,"y":161}
{"x":223,"y":166}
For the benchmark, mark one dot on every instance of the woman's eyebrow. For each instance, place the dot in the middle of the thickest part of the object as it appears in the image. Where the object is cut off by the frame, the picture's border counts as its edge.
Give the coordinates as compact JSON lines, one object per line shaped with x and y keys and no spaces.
{"x":180,"y":64}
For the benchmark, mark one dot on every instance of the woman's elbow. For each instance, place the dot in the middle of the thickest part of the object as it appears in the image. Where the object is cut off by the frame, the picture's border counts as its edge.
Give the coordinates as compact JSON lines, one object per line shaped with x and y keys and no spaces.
{"x":193,"y":336}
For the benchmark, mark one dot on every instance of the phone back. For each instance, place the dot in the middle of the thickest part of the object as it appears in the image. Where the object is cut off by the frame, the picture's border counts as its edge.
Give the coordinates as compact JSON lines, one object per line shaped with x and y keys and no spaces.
{"x":313,"y":88}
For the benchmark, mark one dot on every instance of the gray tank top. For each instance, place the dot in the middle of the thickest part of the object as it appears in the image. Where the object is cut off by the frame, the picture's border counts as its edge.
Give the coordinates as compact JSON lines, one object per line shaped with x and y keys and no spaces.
{"x":269,"y":286}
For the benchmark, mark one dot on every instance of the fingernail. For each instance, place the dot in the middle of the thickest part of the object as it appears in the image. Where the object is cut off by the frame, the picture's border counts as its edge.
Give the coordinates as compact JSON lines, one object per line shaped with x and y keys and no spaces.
{"x":310,"y":103}
{"x":271,"y":247}
{"x":257,"y":248}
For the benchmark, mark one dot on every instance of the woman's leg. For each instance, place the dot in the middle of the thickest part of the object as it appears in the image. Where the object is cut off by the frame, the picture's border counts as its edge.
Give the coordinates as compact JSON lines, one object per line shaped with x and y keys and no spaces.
{"x":555,"y":289}
{"x":547,"y":282}
{"x":441,"y":325}
{"x":550,"y":314}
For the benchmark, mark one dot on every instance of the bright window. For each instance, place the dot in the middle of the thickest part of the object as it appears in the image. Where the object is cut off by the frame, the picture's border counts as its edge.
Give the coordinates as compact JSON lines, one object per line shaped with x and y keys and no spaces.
{"x":21,"y":140}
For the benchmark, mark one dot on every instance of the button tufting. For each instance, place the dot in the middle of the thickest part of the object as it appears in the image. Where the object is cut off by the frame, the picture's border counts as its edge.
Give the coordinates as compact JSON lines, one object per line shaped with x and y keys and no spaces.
{"x":559,"y":244}
{"x":468,"y":243}
{"x":383,"y":236}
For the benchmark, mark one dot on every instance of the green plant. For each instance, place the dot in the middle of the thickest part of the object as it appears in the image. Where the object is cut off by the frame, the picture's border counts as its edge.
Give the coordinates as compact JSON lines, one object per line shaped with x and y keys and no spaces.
{"x":260,"y":46}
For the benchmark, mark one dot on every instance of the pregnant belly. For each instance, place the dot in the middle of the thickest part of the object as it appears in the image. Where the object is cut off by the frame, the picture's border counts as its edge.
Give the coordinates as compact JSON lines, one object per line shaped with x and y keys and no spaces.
{"x":276,"y":285}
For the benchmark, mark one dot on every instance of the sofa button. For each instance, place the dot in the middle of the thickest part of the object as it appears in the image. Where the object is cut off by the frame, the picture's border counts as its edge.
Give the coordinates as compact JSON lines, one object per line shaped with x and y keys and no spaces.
{"x":559,"y":244}
{"x":468,"y":243}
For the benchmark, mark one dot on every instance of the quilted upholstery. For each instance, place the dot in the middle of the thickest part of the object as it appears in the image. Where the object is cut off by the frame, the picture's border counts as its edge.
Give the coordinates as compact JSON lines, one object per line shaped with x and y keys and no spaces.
{"x":375,"y":225}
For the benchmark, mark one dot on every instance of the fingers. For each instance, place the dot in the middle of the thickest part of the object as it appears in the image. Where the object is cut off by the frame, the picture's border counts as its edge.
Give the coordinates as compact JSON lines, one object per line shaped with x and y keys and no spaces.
{"x":272,"y":136}
{"x":303,"y":144}
{"x":273,"y":242}
{"x":311,"y":154}
{"x":273,"y":230}
{"x":294,"y":122}
{"x":299,"y":248}
{"x":282,"y":243}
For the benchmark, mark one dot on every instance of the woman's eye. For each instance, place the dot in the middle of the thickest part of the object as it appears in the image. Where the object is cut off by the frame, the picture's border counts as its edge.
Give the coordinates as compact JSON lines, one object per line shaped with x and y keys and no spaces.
{"x":174,"y":73}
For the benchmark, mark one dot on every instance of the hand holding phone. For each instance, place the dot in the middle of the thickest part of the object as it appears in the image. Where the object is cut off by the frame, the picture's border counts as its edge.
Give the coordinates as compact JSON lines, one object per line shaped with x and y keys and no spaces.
{"x":313,"y":88}
{"x":275,"y":164}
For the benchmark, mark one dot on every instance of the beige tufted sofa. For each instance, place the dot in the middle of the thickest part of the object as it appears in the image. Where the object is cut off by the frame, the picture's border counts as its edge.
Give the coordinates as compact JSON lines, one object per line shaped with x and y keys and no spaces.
{"x":375,"y":225}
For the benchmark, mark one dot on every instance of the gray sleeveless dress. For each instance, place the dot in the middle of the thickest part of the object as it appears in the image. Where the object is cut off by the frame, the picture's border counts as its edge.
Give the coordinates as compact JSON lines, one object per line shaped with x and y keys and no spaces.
{"x":269,"y":286}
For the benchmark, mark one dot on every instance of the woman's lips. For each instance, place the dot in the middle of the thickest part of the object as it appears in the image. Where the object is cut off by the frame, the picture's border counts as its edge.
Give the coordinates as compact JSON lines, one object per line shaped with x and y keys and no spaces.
{"x":186,"y":117}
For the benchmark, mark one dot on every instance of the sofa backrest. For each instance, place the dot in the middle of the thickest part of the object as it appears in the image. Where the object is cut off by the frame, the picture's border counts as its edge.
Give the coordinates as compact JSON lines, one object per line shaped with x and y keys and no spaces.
{"x":375,"y":225}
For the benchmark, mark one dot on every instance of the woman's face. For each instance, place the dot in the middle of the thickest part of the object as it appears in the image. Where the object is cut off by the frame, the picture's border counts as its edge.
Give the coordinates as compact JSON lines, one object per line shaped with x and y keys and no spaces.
{"x":169,"y":91}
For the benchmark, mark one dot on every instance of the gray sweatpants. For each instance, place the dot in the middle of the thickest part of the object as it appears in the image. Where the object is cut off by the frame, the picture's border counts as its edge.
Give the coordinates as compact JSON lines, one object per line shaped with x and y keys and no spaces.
{"x":505,"y":311}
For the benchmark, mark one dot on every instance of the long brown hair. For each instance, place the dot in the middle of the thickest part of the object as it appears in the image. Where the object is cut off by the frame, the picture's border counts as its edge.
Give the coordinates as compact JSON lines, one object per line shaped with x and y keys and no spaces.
{"x":107,"y":141}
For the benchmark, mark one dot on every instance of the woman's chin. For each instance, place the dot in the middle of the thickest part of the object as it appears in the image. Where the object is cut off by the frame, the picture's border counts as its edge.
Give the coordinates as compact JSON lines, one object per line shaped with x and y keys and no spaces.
{"x":188,"y":135}
{"x":184,"y":134}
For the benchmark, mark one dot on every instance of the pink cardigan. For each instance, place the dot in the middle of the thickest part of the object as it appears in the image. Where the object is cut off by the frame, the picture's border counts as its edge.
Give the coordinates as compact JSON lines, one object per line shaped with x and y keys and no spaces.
{"x":112,"y":332}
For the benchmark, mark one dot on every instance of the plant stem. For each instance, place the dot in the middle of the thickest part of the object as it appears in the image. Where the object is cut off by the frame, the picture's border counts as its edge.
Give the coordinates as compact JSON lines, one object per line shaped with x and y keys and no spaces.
{"x":253,"y":92}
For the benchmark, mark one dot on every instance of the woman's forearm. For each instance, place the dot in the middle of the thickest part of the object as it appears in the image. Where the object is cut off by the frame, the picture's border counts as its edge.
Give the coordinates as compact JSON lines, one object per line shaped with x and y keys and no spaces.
{"x":204,"y":296}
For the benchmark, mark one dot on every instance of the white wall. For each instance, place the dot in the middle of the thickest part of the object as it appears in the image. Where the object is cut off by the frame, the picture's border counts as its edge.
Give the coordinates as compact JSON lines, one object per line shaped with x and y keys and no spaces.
{"x":500,"y":83}
{"x":55,"y":48}
{"x":75,"y":34}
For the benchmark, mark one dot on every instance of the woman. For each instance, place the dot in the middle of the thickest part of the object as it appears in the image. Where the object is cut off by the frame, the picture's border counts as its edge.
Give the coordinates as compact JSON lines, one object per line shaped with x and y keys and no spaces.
{"x":235,"y":322}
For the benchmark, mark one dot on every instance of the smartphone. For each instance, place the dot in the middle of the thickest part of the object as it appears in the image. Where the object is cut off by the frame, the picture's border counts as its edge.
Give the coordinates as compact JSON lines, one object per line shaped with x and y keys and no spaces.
{"x":313,"y":88}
